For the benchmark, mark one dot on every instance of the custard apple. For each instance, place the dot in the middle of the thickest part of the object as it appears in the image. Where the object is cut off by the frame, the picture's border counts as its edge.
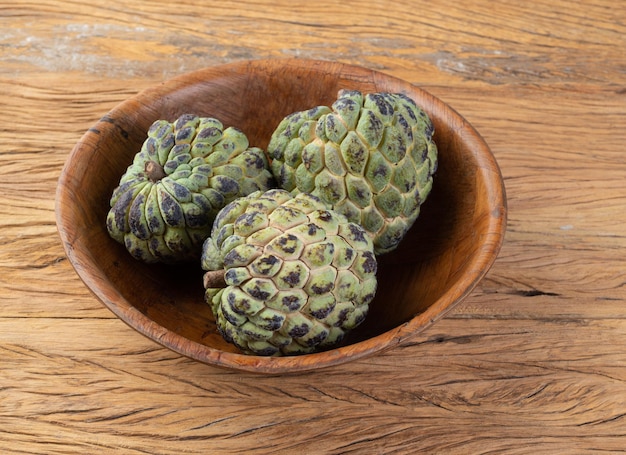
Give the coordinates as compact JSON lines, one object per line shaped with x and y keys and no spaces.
{"x":285,"y":275}
{"x":370,"y":157}
{"x":185,"y":172}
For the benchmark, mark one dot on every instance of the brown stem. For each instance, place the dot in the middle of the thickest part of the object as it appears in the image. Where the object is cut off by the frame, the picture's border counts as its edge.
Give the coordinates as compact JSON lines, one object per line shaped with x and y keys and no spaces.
{"x":214,"y":279}
{"x":154,"y":171}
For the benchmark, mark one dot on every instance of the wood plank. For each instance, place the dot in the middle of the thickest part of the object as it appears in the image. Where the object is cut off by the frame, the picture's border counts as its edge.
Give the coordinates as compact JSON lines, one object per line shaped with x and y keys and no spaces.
{"x":498,"y":383}
{"x":533,"y":361}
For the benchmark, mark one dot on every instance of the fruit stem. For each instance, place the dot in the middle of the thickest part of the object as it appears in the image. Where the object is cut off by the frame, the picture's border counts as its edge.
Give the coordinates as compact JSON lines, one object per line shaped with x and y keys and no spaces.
{"x":214,"y":279}
{"x":154,"y":171}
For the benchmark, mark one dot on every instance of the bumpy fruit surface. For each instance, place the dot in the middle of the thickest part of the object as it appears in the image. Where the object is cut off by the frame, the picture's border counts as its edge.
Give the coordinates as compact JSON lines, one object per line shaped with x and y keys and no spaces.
{"x":285,"y":275}
{"x":371,"y":158}
{"x":185,"y":172}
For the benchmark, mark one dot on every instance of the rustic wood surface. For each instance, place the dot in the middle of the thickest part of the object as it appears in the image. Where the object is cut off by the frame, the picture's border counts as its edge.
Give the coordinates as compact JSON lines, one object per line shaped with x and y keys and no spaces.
{"x":533,"y":361}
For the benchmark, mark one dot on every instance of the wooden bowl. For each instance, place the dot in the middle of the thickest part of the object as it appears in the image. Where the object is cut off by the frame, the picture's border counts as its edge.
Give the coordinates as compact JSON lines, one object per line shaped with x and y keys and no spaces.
{"x":449,"y":249}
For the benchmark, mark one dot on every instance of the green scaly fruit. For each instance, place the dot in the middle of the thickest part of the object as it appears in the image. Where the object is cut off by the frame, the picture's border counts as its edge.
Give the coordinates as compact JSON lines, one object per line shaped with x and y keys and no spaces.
{"x":370,"y":157}
{"x":285,"y":275}
{"x":185,"y":172}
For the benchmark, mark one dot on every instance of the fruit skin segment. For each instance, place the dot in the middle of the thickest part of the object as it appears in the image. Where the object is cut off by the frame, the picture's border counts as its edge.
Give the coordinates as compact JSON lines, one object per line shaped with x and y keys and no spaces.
{"x":186,"y":171}
{"x":285,"y":275}
{"x":369,"y":157}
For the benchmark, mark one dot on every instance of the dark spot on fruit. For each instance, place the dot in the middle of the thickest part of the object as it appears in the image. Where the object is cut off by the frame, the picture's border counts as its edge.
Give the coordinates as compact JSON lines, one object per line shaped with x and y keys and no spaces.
{"x":342,"y":316}
{"x":266,"y":351}
{"x":393,"y":240}
{"x":274,"y":323}
{"x":226,"y":185}
{"x":322,"y":313}
{"x":380,"y":171}
{"x":405,"y":127}
{"x":376,"y":124}
{"x":349,"y":253}
{"x":167,"y":142}
{"x":233,"y":257}
{"x":211,"y":131}
{"x":180,"y":191}
{"x":223,"y":214}
{"x":292,"y":279}
{"x":292,"y":212}
{"x":172,"y":213}
{"x":237,"y":305}
{"x":230,"y":276}
{"x":347,"y":93}
{"x":319,"y":290}
{"x":151,"y":146}
{"x":299,"y":331}
{"x":332,"y":189}
{"x":345,"y":105}
{"x":293,"y":120}
{"x":155,"y":247}
{"x":330,"y":122}
{"x":197,"y":220}
{"x":315,"y":198}
{"x":423,"y":152}
{"x":272,"y":194}
{"x":317,"y":339}
{"x":135,"y":217}
{"x":288,"y":243}
{"x":264,"y":265}
{"x":383,"y":106}
{"x":230,"y":318}
{"x":307,"y":159}
{"x":291,"y":302}
{"x":120,"y":208}
{"x":367,"y":298}
{"x":153,"y":218}
{"x":398,"y":145}
{"x":254,"y":161}
{"x":369,"y":264}
{"x":183,"y":119}
{"x":312,"y":113}
{"x":246,"y":219}
{"x":410,"y":109}
{"x":358,"y":233}
{"x":178,"y":155}
{"x":325,"y":215}
{"x":258,"y":293}
{"x":137,"y":253}
{"x":184,"y":135}
{"x":269,"y":260}
{"x":283,"y":176}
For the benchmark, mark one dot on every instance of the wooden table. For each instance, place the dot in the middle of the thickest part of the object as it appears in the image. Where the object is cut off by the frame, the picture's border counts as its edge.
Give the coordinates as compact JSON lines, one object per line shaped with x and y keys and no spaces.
{"x":533,"y":361}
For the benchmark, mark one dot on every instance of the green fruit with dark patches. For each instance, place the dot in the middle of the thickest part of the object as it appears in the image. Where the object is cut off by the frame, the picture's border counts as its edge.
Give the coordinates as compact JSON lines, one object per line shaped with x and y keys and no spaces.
{"x":295,"y":279}
{"x":185,"y":172}
{"x":370,"y":157}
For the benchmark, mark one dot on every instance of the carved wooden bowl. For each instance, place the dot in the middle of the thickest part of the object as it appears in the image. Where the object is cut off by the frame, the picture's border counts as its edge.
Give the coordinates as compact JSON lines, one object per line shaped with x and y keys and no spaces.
{"x":450,"y":248}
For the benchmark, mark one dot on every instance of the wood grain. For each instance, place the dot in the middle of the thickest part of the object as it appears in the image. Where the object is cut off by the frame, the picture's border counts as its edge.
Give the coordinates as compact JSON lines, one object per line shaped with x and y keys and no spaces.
{"x":534,"y":361}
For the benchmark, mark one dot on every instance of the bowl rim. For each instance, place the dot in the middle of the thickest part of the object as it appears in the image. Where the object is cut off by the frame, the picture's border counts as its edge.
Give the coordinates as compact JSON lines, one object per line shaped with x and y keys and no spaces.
{"x":478,"y":267}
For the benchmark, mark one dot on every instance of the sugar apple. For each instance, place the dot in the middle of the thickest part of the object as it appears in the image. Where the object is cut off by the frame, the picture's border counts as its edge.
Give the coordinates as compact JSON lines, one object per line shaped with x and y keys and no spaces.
{"x":285,"y":275}
{"x":185,"y":172}
{"x":370,"y":157}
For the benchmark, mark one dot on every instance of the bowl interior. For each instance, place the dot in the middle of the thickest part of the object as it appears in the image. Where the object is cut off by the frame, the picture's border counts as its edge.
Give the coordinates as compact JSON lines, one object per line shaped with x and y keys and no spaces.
{"x":449,"y":249}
